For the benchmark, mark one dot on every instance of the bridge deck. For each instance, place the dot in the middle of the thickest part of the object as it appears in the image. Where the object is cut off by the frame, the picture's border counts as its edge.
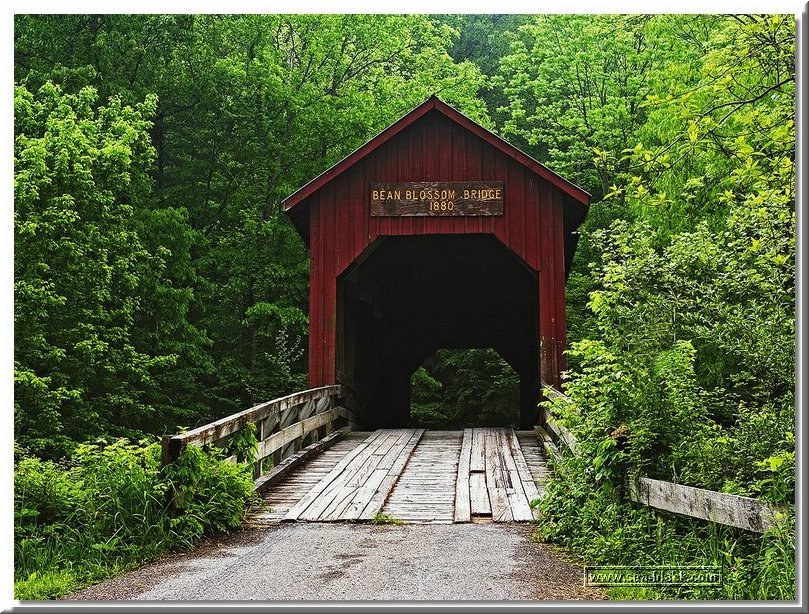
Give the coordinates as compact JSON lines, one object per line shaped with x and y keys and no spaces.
{"x":280,"y":498}
{"x":425,"y":491}
{"x":478,"y":475}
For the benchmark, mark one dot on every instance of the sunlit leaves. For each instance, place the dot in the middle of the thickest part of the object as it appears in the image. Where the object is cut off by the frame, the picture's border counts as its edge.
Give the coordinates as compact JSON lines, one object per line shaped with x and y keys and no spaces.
{"x":78,"y":264}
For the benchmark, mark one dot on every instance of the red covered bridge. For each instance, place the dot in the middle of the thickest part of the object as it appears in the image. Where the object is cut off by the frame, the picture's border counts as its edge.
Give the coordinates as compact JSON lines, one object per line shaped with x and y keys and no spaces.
{"x":435,"y":234}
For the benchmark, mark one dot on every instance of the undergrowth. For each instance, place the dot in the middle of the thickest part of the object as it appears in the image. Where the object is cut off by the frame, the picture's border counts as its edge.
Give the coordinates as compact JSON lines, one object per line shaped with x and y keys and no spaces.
{"x":383,"y":518}
{"x":602,"y":528}
{"x":110,"y":506}
{"x":623,"y":429}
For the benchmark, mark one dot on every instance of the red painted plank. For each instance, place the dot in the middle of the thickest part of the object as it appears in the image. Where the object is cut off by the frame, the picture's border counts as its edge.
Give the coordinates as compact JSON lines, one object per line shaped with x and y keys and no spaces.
{"x":531,"y":230}
{"x":545,"y":288}
{"x":315,"y":306}
{"x":487,"y":173}
{"x":325,"y":247}
{"x":371,"y":224}
{"x":413,"y":154}
{"x":422,"y":159}
{"x":339,"y":204}
{"x":561,"y":320}
{"x":455,"y":150}
{"x":473,"y":173}
{"x":329,"y":216}
{"x":500,"y":224}
{"x":387,"y":161}
{"x":350,"y":206}
{"x":358,"y":215}
{"x":548,"y":237}
{"x":516,"y":216}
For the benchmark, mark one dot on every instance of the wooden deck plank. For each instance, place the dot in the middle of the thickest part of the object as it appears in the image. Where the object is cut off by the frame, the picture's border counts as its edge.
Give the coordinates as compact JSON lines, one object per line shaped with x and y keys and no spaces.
{"x":501,"y":510}
{"x":528,"y":483}
{"x":365,"y":488}
{"x":338,"y":495}
{"x":534,"y":455}
{"x":479,"y":495}
{"x":463,"y":509}
{"x":377,"y":500}
{"x":279,"y":498}
{"x":425,"y":491}
{"x":302,"y":505}
{"x":517,"y":500}
{"x":477,"y":461}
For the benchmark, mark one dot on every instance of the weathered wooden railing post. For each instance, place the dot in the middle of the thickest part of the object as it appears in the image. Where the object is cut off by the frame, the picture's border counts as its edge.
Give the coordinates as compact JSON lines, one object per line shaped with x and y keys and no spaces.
{"x":172,"y":447}
{"x":260,"y":435}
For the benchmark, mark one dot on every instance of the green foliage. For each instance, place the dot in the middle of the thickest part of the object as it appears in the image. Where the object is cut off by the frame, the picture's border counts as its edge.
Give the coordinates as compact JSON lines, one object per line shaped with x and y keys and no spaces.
{"x":179,"y":291}
{"x":464,"y":388}
{"x":80,"y":173}
{"x":244,"y":444}
{"x":383,"y":518}
{"x":208,"y":495}
{"x":688,"y":371}
{"x":111,"y":506}
{"x":484,"y":40}
{"x":576,"y":85}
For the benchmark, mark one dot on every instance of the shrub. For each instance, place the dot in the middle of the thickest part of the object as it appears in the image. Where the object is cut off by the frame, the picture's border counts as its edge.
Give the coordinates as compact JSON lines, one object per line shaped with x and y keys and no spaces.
{"x":111,"y":506}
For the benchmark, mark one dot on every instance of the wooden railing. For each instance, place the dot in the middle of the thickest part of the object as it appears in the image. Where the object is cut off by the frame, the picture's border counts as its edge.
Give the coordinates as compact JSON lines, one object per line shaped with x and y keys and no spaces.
{"x":283,"y":428}
{"x":723,"y":508}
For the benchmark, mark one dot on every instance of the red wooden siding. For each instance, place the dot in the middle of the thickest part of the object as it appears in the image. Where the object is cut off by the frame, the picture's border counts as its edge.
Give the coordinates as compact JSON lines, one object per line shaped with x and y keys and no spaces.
{"x":435,"y":149}
{"x":433,"y":144}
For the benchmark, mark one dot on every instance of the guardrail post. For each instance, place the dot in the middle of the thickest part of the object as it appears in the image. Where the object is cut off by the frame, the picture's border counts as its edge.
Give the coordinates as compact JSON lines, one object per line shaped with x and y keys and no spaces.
{"x":171,"y":448}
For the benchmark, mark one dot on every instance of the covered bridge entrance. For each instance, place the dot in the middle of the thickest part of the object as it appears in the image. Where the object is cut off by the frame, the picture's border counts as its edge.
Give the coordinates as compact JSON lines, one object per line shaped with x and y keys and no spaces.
{"x":435,"y":234}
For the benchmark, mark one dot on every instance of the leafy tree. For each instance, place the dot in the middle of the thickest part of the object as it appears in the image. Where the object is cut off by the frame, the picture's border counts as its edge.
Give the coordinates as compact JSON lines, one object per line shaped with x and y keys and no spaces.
{"x":576,"y":85}
{"x":576,"y":88}
{"x":81,"y":172}
{"x":688,"y":374}
{"x":484,"y":40}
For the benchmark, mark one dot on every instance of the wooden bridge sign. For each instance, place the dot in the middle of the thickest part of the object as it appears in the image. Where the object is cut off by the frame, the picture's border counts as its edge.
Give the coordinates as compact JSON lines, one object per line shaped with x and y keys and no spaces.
{"x":437,"y":198}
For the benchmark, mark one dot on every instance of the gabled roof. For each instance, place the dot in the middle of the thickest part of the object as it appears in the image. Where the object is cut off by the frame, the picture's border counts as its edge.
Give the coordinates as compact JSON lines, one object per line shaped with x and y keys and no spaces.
{"x":433,"y":103}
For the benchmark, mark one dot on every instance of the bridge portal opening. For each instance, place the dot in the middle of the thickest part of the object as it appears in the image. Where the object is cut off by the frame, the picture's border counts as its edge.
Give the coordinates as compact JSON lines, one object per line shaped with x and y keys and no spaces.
{"x":456,"y":389}
{"x":407,"y":296}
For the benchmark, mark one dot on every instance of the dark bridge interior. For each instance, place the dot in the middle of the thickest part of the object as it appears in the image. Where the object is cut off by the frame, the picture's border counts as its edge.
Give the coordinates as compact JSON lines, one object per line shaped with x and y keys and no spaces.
{"x":405,"y":297}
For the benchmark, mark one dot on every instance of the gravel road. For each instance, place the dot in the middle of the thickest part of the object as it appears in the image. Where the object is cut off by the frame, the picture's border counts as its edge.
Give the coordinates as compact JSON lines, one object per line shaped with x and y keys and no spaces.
{"x":357,"y":562}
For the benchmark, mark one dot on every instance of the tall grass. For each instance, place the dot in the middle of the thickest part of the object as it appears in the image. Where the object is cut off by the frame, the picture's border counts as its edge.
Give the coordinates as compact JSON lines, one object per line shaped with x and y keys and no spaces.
{"x":597,"y":524}
{"x":111,"y":507}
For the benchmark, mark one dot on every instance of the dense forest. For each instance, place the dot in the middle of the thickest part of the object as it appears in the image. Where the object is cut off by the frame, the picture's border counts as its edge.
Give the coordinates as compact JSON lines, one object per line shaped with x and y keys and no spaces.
{"x":158,"y":285}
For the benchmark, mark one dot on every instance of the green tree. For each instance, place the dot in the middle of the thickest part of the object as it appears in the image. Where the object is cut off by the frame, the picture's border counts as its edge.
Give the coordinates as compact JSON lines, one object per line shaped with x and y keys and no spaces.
{"x":81,"y":172}
{"x":690,"y":358}
{"x":577,"y":88}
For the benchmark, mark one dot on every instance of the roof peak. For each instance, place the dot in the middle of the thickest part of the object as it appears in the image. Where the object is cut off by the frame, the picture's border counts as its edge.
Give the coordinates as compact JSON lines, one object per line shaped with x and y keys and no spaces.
{"x":433,"y":103}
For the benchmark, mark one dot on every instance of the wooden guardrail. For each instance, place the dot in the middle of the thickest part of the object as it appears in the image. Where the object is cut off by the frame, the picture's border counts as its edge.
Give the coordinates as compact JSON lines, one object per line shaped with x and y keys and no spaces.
{"x":282,"y":427}
{"x":723,"y":508}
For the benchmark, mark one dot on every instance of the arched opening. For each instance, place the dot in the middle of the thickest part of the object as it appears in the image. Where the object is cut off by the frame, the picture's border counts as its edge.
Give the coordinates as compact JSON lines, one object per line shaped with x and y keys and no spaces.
{"x":407,"y":296}
{"x":462,"y":388}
